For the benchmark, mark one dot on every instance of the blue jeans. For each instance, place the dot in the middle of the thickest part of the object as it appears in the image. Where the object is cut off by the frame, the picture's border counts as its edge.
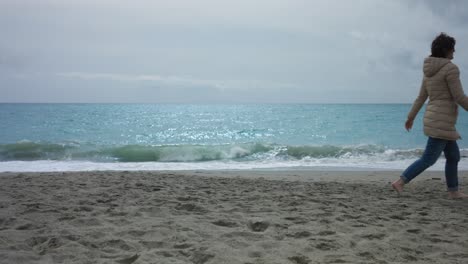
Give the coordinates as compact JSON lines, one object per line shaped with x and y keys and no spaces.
{"x":434,"y":148}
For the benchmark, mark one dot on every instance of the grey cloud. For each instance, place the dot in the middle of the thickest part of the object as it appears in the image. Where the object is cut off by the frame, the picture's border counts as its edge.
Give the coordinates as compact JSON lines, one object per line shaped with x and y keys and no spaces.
{"x":243,"y":51}
{"x":454,"y":10}
{"x":407,"y":59}
{"x":11,"y":62}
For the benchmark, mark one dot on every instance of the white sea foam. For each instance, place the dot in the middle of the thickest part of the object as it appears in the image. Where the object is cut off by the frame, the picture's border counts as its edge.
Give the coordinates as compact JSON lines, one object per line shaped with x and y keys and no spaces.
{"x":310,"y":164}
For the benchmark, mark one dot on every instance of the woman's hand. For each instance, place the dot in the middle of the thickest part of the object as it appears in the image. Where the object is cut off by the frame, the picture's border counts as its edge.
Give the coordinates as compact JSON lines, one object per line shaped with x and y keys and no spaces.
{"x":409,"y":124}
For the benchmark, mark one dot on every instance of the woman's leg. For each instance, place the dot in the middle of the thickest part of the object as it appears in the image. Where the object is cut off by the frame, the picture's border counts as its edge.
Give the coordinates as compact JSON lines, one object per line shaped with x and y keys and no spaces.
{"x":452,"y":155}
{"x":432,"y":152}
{"x":434,"y":148}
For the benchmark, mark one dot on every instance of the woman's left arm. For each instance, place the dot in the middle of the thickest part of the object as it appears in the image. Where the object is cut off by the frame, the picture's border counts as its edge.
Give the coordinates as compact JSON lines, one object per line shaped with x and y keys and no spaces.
{"x":455,"y":86}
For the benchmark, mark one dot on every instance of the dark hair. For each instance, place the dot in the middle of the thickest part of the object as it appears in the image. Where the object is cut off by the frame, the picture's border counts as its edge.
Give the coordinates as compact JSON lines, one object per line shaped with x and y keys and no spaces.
{"x":441,"y":45}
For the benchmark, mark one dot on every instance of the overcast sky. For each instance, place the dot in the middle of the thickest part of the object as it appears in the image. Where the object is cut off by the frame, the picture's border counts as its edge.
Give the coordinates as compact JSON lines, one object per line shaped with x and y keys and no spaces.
{"x":215,"y":51}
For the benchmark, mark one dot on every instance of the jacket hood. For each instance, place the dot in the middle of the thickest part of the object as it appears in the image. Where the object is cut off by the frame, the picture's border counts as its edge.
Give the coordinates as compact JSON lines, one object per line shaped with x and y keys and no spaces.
{"x":432,"y":65}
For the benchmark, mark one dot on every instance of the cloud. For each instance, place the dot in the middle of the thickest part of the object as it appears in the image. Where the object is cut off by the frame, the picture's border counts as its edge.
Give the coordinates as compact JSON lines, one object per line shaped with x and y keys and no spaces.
{"x":12,"y":62}
{"x":175,"y":81}
{"x":456,"y":10}
{"x":110,"y":76}
{"x":263,"y":50}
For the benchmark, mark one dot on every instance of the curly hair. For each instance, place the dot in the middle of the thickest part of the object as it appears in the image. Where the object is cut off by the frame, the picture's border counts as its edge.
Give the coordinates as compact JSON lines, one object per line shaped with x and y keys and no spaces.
{"x":441,"y":45}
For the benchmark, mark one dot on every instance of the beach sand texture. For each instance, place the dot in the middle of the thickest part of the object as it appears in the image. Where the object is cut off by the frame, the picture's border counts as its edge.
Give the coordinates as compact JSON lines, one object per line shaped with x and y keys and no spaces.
{"x":242,"y":217}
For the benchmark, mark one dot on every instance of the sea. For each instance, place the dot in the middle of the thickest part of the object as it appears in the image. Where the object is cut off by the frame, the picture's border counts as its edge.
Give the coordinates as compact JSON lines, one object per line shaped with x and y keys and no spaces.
{"x":83,"y":137}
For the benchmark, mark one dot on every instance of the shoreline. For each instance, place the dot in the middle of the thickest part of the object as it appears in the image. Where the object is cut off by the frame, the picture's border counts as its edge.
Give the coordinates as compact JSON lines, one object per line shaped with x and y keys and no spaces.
{"x":368,"y":165}
{"x":343,"y":174}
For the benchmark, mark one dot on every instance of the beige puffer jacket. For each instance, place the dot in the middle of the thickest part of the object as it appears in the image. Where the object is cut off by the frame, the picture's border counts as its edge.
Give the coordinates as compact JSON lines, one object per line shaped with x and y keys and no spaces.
{"x":441,"y":83}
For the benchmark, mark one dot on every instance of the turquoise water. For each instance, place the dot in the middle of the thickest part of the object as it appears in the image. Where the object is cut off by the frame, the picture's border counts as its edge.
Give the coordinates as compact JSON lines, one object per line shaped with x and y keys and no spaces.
{"x":209,"y":136}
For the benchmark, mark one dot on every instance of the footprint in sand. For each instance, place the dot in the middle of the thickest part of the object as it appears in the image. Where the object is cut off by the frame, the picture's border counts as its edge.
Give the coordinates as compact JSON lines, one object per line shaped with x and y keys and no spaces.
{"x":5,"y":223}
{"x":296,"y":220}
{"x":414,"y":231}
{"x":43,"y":244}
{"x":367,"y":255}
{"x":424,"y":221}
{"x":255,"y":254}
{"x":88,"y":244}
{"x":301,"y":234}
{"x":185,"y":198}
{"x":397,"y":217}
{"x":190,"y":208}
{"x":152,"y":244}
{"x":83,"y":209}
{"x":183,"y":245}
{"x":325,"y":221}
{"x":201,"y":257}
{"x":435,"y":239}
{"x":244,"y":235}
{"x":135,"y":233}
{"x":258,"y":225}
{"x":334,"y":259}
{"x":128,"y":260}
{"x":378,"y":236}
{"x":225,"y":223}
{"x":326,"y":233}
{"x":86,"y":222}
{"x":165,"y":254}
{"x":326,"y":245}
{"x":300,"y":259}
{"x":353,"y":217}
{"x":410,"y":258}
{"x":117,"y":244}
{"x":27,"y":226}
{"x":34,"y":241}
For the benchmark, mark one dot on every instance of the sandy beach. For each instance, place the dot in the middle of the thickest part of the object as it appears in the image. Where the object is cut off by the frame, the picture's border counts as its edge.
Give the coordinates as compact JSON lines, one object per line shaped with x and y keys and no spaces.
{"x":244,"y":217}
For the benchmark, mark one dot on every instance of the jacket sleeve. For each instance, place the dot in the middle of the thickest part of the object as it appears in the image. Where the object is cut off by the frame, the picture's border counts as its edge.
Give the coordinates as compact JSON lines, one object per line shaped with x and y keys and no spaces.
{"x":455,"y":87}
{"x":418,"y":103}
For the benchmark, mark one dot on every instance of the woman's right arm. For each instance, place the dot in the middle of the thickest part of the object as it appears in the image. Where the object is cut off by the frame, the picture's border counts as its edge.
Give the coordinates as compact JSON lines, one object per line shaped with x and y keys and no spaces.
{"x":419,"y":102}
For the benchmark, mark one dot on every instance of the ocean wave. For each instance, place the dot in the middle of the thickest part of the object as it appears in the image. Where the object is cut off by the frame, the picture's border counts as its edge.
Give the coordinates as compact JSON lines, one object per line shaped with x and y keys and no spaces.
{"x":32,"y":151}
{"x":28,"y":151}
{"x":184,"y":153}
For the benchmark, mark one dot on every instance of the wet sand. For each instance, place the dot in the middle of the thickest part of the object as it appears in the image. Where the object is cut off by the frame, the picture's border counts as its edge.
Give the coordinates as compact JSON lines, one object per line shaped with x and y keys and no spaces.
{"x":242,"y":217}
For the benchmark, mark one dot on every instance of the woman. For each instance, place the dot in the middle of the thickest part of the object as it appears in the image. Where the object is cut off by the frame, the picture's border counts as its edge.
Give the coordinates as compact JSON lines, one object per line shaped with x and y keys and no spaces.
{"x":441,"y":83}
